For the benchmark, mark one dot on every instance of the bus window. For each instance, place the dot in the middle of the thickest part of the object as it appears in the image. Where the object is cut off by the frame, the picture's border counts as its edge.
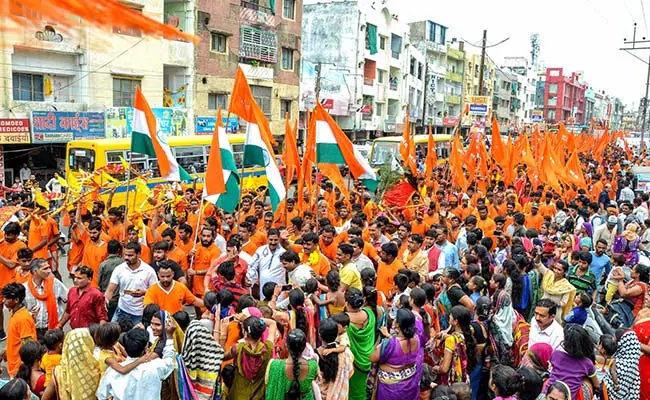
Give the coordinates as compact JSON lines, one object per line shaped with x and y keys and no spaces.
{"x":138,"y":162}
{"x":191,"y":159}
{"x":82,"y":159}
{"x":238,"y":153}
{"x":443,"y":150}
{"x":112,"y":161}
{"x":383,"y":152}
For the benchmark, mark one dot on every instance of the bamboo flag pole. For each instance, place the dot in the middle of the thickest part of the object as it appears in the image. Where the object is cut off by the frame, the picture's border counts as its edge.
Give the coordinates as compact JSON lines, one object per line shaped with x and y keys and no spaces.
{"x":126,"y":204}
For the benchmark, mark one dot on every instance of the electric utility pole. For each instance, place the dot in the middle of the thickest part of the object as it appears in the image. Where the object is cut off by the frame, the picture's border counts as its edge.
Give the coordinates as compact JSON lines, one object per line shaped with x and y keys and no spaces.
{"x":634,"y":47}
{"x":482,"y":67}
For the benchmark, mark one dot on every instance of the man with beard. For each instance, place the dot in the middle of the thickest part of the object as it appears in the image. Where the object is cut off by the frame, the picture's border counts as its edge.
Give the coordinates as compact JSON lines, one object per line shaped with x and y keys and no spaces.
{"x":95,"y":248}
{"x":202,"y":255}
{"x":169,"y":294}
{"x":133,"y":277}
{"x":266,"y":265}
{"x":161,"y":253}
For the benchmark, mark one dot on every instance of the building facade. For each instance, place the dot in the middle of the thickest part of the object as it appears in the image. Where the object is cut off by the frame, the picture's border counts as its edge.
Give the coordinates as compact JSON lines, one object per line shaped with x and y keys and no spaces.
{"x":260,"y":36}
{"x":564,"y":97}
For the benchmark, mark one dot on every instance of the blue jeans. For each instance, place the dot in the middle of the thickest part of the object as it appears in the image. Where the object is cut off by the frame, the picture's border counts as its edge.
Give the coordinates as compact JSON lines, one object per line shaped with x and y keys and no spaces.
{"x":119,"y":313}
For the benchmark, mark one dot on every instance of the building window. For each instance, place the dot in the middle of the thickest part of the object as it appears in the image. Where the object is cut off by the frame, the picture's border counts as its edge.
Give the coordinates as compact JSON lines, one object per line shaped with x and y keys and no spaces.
{"x":381,"y":76}
{"x":551,"y":115}
{"x":217,"y":100}
{"x":27,"y":87}
{"x":436,"y":33}
{"x":122,"y":30}
{"x":262,"y":95}
{"x":552,"y":100}
{"x":124,"y":91}
{"x":413,"y":66}
{"x":379,"y":109}
{"x":552,"y":88}
{"x":420,"y":70}
{"x":285,"y":109}
{"x":382,"y":42}
{"x":287,"y":59}
{"x":289,"y":9}
{"x":257,"y":44}
{"x":218,"y":42}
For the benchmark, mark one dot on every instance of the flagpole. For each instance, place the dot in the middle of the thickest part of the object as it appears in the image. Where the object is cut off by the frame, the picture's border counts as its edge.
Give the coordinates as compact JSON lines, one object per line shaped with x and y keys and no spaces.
{"x":126,"y":204}
{"x":196,"y":231}
{"x":241,"y":174}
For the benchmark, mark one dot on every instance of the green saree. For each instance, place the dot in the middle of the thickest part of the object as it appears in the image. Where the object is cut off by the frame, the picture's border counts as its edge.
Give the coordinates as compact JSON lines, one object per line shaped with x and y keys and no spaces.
{"x":362,"y":344}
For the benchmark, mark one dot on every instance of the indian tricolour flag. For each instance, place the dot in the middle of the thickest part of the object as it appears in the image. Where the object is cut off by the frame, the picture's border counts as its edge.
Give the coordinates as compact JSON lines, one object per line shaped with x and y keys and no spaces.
{"x":221,"y":178}
{"x":145,"y":140}
{"x":334,"y":147}
{"x":257,"y":147}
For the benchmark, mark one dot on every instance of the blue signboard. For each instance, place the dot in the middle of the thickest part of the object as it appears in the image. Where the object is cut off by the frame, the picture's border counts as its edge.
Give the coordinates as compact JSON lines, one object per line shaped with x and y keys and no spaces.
{"x":478,"y":108}
{"x":61,"y":127}
{"x":205,"y":125}
{"x":536,"y":118}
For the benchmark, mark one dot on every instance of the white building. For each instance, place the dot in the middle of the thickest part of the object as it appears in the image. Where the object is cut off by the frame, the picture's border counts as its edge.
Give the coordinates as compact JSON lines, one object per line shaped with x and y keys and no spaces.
{"x":527,"y":81}
{"x":356,"y":52}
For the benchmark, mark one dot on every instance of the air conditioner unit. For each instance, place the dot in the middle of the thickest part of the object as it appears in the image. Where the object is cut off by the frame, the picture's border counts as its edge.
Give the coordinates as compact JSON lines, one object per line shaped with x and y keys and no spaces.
{"x":173,"y":20}
{"x":203,"y":19}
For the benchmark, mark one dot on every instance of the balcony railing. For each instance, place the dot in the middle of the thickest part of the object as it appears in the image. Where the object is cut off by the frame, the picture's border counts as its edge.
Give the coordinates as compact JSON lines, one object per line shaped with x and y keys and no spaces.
{"x":451,"y":99}
{"x":455,"y":54}
{"x":368,"y":81}
{"x":394,"y":84}
{"x":255,"y":5}
{"x":454,"y":76}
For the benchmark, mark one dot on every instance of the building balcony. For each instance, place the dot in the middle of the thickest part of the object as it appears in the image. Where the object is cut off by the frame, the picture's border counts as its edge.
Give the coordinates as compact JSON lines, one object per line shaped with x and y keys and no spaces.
{"x":254,"y":13}
{"x":454,"y":76}
{"x":451,"y":99}
{"x":177,"y":53}
{"x":455,"y":54}
{"x":436,"y":47}
{"x":259,"y":73}
{"x":440,"y":97}
{"x":439,"y":70}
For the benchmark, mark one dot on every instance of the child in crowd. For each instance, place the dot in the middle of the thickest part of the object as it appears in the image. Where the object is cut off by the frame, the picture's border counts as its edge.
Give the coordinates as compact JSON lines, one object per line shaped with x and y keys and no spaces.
{"x":53,"y":340}
{"x":401,"y":282}
{"x":618,"y":262}
{"x":605,"y":357}
{"x":476,"y":285}
{"x":343,"y":320}
{"x":578,"y":315}
{"x":106,"y":338}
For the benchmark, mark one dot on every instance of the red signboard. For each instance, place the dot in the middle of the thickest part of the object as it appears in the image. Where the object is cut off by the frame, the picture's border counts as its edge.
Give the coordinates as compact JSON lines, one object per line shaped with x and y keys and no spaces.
{"x":328,"y":104}
{"x":450,"y":121}
{"x":14,"y":130}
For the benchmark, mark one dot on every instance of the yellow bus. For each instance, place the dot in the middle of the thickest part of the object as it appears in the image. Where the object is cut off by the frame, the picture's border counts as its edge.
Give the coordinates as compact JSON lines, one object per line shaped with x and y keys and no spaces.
{"x":191,"y":152}
{"x":385,"y":148}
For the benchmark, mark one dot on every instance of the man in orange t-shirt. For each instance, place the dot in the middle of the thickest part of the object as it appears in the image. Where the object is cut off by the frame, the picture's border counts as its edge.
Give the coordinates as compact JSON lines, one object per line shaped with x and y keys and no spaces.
{"x":95,"y":248}
{"x":247,"y":245}
{"x":21,"y":327}
{"x":169,"y":294}
{"x":534,"y":220}
{"x":184,"y":238}
{"x":329,"y":243}
{"x":204,"y":254}
{"x":134,"y":237}
{"x":115,"y":225}
{"x":485,"y":223}
{"x":311,"y":256}
{"x":175,"y":253}
{"x":38,"y":234}
{"x":9,"y":261}
{"x":388,"y":268}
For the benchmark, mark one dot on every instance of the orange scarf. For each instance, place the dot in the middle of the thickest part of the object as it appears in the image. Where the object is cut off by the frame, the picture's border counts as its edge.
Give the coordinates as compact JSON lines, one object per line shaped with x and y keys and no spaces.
{"x":49,"y":299}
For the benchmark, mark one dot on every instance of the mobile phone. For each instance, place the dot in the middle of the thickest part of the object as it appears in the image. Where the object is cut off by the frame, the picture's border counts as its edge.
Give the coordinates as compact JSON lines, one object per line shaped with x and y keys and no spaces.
{"x":286,"y":287}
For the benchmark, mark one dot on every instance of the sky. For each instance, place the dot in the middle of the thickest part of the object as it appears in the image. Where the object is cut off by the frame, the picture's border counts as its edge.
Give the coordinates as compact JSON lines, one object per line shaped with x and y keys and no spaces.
{"x":577,"y":35}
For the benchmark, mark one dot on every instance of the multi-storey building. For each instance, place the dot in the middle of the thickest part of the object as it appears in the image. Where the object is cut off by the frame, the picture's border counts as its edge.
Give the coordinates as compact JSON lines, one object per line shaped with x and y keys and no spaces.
{"x":260,"y":36}
{"x":430,"y":38}
{"x":564,"y":97}
{"x":61,"y":83}
{"x":527,"y":80}
{"x":355,"y":56}
{"x":505,"y":85}
{"x":454,"y":80}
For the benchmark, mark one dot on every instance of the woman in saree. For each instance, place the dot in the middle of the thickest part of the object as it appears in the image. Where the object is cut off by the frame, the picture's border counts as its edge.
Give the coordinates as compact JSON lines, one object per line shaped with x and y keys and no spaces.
{"x":361,"y":333}
{"x":400,"y":360}
{"x":177,"y":386}
{"x":556,"y":287}
{"x":642,"y":330}
{"x":459,"y":348}
{"x":502,"y":320}
{"x":336,"y":368}
{"x":627,"y":243}
{"x":251,"y":356}
{"x":203,"y":357}
{"x":623,"y":381}
{"x":77,"y":376}
{"x":538,"y":358}
{"x":292,"y":378}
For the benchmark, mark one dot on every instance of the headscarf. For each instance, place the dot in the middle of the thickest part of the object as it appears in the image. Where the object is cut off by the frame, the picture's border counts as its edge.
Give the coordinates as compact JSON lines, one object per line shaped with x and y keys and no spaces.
{"x":558,"y":288}
{"x":626,"y":368}
{"x":586,"y":242}
{"x":168,"y":321}
{"x":538,"y":357}
{"x":77,"y":376}
{"x":203,"y":357}
{"x":589,"y":230}
{"x":630,"y":232}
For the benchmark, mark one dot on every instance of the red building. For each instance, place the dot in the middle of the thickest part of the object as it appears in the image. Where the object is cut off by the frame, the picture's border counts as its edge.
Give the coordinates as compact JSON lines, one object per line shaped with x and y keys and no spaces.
{"x":564,"y":97}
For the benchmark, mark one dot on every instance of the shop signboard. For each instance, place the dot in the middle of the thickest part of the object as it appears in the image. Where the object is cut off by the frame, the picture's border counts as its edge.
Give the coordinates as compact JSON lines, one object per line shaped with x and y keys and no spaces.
{"x":205,"y":125}
{"x":63,"y":126}
{"x":14,"y":130}
{"x":170,"y":121}
{"x":478,"y":105}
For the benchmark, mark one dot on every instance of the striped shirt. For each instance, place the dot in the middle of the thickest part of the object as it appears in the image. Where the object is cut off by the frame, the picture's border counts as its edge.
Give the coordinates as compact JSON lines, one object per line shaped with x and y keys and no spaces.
{"x":585,"y":283}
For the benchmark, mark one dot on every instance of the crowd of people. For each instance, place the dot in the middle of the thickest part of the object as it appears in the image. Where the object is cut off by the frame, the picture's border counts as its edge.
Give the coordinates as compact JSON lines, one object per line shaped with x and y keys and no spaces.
{"x":521,"y":291}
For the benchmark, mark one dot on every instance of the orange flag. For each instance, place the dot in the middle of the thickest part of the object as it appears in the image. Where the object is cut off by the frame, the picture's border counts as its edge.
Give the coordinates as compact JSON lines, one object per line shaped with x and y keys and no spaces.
{"x":216,"y":184}
{"x":243,"y":105}
{"x":566,"y":138}
{"x":548,"y":167}
{"x":333,"y":173}
{"x":432,"y":156}
{"x":290,"y":156}
{"x":407,"y":147}
{"x":308,"y":160}
{"x":497,"y":150}
{"x":574,"y":171}
{"x":526,"y":153}
{"x":456,"y":163}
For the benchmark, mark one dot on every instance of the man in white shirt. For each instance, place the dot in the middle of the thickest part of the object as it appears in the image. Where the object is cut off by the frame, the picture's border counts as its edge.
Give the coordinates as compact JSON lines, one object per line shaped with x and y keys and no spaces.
{"x":25,"y":173}
{"x":358,"y":258}
{"x":544,"y":328}
{"x":265,"y":266}
{"x":133,"y":278}
{"x":297,"y":272}
{"x":144,"y":381}
{"x":626,"y":194}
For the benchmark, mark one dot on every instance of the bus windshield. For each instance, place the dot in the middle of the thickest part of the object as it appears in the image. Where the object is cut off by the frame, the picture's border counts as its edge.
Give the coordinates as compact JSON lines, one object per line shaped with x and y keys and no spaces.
{"x":81,"y":159}
{"x":383,"y":152}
